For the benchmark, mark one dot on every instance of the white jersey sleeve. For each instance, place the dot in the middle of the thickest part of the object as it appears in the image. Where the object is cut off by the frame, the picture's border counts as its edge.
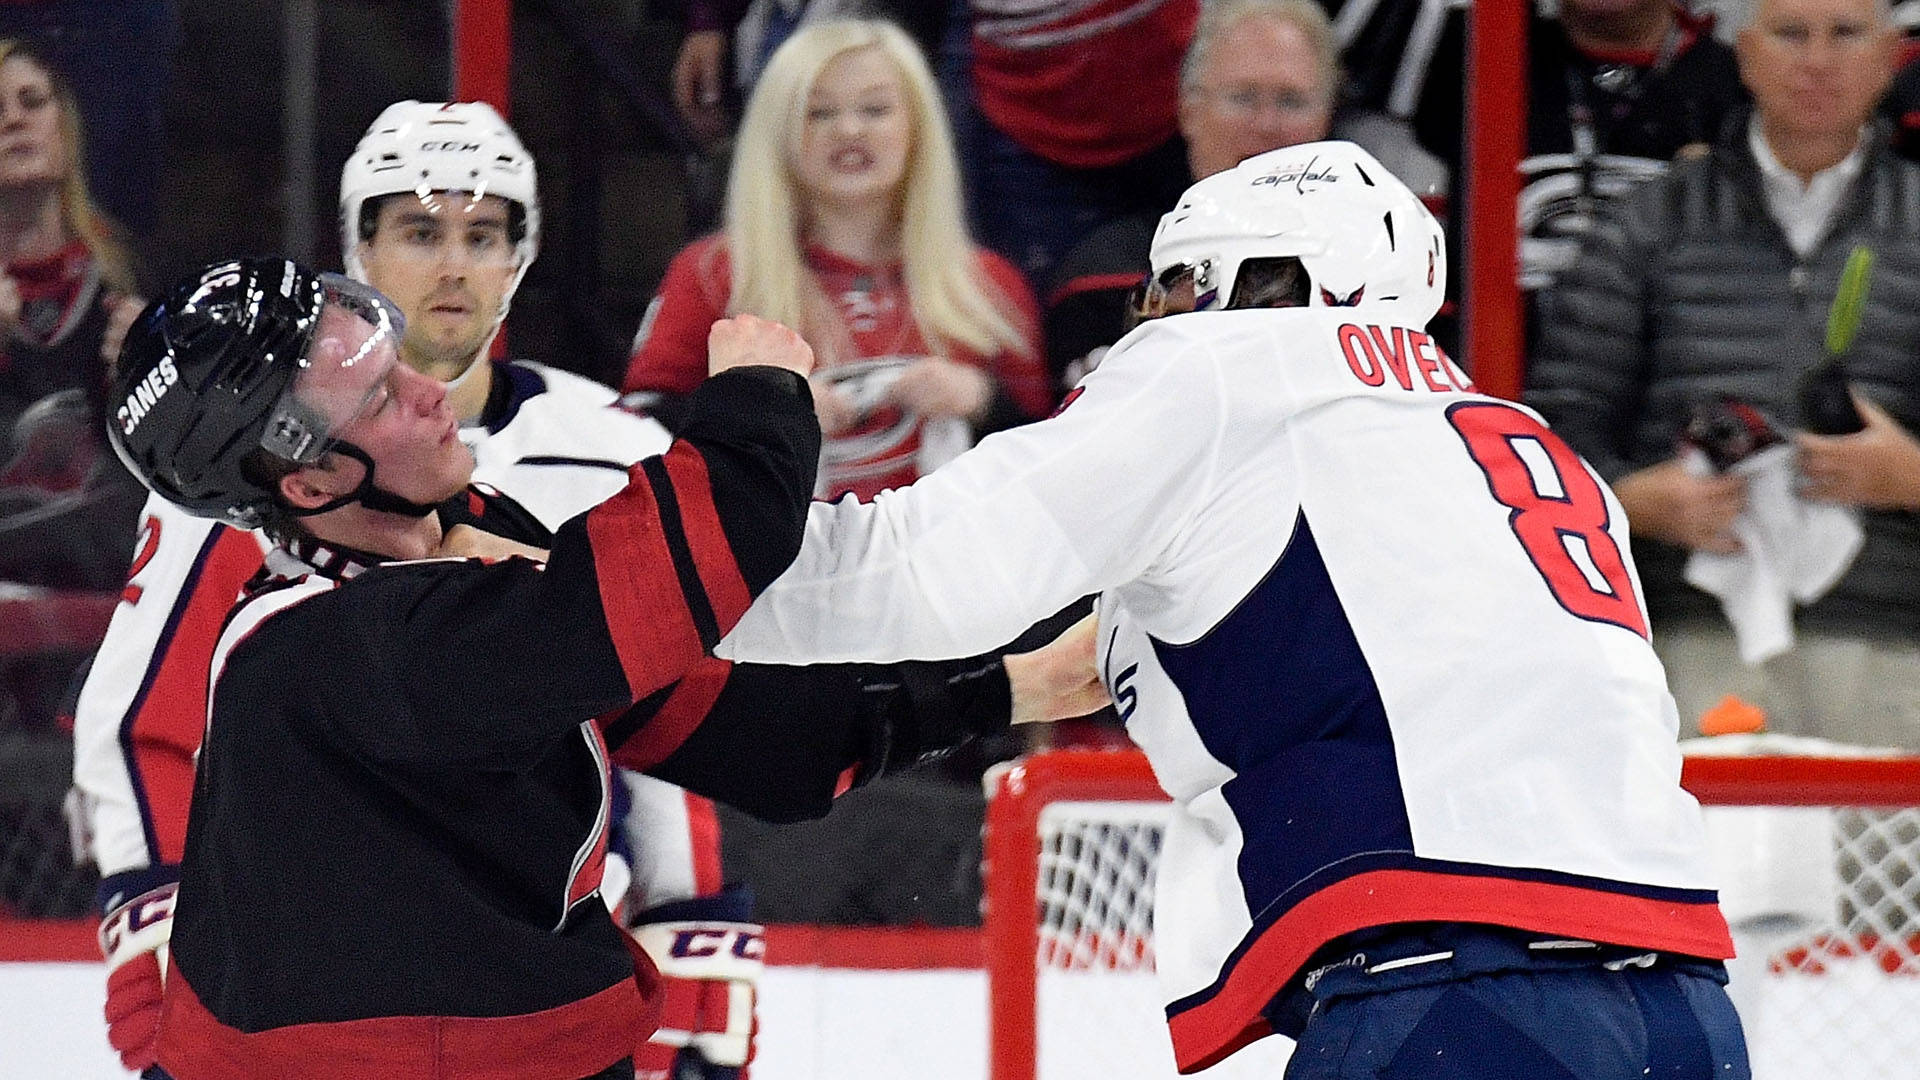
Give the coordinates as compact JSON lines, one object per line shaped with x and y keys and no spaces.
{"x":562,"y":445}
{"x":1013,"y":530}
{"x":1379,"y":635}
{"x":143,"y":708}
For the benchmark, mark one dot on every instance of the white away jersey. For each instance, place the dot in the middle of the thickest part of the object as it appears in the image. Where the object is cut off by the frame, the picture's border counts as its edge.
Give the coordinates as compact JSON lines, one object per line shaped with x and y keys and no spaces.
{"x":1378,"y":634}
{"x":562,"y":444}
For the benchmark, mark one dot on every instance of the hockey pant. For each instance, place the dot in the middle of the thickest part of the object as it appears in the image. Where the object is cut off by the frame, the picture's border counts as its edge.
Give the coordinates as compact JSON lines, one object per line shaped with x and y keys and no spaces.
{"x":1643,"y":1016}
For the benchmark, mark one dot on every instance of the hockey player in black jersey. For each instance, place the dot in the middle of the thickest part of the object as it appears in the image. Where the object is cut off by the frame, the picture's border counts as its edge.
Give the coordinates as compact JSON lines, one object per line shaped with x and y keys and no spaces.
{"x":394,"y":844}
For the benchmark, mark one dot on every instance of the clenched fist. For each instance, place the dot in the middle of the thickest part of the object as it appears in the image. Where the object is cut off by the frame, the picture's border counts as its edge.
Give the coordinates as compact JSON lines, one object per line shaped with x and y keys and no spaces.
{"x":1057,"y":681}
{"x":745,"y":340}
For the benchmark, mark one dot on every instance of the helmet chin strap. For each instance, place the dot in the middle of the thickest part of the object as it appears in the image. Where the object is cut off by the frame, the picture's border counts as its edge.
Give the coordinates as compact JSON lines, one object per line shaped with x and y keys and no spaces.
{"x":366,"y":494}
{"x":480,"y":367}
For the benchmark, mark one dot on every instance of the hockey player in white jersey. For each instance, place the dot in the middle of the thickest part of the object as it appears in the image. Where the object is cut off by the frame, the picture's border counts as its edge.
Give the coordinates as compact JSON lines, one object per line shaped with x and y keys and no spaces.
{"x":1379,"y":635}
{"x":440,"y":211}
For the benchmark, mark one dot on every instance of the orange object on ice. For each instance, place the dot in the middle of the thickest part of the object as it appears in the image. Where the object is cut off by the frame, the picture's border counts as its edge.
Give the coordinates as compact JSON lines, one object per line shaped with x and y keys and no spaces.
{"x":1733,"y":716}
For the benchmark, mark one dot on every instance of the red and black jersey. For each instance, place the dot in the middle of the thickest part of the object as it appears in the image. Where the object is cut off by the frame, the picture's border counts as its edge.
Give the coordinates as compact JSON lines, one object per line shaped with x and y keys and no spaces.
{"x":1598,"y":123}
{"x":392,"y":851}
{"x":1085,"y":83}
{"x":70,"y":511}
{"x":401,"y":802}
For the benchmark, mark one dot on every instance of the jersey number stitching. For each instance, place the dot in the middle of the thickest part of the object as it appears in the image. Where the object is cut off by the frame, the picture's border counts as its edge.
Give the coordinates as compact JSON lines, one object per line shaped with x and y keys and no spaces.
{"x":149,"y":544}
{"x":1547,"y":523}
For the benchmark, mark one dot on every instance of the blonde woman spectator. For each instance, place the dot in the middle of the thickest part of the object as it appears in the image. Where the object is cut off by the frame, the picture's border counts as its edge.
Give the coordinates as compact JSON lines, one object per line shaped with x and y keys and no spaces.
{"x":844,"y":220}
{"x":65,"y":303}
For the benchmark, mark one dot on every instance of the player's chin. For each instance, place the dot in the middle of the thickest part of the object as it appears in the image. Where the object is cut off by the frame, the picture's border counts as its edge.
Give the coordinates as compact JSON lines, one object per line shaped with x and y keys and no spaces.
{"x":447,"y":337}
{"x":459,"y":473}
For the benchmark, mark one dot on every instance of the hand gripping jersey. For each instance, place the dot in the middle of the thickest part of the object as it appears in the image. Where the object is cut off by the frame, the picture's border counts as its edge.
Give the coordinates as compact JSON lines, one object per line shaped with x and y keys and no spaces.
{"x":554,"y":440}
{"x":1379,"y":635}
{"x":433,"y":718}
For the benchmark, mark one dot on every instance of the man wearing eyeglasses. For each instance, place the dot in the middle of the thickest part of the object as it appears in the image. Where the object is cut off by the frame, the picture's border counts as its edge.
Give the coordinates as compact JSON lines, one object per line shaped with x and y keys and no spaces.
{"x":1260,"y":75}
{"x":1716,"y":281}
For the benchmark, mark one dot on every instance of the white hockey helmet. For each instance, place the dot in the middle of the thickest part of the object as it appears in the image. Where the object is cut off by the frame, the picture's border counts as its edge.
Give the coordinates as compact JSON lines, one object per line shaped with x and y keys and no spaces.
{"x":1362,"y":237}
{"x":425,"y":146}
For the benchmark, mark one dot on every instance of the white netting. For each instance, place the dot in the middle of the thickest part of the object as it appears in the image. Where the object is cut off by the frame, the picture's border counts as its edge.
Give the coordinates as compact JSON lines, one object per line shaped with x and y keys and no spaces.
{"x":1825,"y":910}
{"x":1099,"y":1006}
{"x":1825,"y":904}
{"x":1096,"y":884}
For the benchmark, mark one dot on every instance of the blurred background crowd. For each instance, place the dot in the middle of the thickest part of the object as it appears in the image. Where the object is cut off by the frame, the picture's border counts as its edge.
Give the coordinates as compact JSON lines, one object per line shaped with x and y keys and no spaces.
{"x":953,"y":199}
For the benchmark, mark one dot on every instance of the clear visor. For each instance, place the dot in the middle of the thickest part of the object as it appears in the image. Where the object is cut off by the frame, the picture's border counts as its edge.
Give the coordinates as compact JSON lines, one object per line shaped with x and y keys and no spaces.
{"x":355,"y":344}
{"x":1170,"y":292}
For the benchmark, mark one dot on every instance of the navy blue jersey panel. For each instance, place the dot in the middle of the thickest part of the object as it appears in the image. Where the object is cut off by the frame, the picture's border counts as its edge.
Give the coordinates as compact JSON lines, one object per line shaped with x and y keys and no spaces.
{"x":1280,"y":692}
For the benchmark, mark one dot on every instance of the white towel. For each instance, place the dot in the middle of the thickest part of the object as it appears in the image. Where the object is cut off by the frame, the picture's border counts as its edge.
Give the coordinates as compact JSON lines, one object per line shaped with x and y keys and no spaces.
{"x":1792,"y":551}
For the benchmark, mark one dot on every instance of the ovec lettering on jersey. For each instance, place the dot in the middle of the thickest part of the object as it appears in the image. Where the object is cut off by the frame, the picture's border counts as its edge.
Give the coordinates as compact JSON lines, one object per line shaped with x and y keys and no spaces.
{"x":1380,"y":636}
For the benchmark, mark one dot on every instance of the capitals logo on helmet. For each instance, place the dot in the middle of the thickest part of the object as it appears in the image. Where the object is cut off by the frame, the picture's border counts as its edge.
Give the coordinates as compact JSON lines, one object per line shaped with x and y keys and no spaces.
{"x":1362,"y":237}
{"x":416,"y":147}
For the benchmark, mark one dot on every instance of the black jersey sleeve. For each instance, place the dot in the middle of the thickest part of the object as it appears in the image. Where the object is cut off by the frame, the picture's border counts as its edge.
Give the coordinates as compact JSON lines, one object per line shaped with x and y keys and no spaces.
{"x":782,"y":742}
{"x":490,"y":655}
{"x":702,"y":529}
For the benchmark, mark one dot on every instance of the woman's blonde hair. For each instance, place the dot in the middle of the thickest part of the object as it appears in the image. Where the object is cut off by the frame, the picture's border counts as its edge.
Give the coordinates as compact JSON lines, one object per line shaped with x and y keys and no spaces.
{"x":77,"y":208}
{"x":951,"y":301}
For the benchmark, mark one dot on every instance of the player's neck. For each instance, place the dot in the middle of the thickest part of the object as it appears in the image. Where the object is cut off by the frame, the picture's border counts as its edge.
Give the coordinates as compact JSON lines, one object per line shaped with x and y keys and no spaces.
{"x":866,"y":232}
{"x":391,"y":536}
{"x":1641,"y":29}
{"x":30,"y":223}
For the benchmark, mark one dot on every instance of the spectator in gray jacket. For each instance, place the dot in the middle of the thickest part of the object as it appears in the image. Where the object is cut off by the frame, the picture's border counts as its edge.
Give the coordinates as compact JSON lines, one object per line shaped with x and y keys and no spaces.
{"x":1717,"y":280}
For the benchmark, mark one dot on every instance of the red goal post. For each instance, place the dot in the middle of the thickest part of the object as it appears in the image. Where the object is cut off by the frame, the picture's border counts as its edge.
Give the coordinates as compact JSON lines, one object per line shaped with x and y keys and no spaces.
{"x":1076,"y":829}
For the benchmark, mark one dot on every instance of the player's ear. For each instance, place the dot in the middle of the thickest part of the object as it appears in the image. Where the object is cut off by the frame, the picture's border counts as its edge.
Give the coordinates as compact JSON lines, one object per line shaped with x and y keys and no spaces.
{"x":312,"y":486}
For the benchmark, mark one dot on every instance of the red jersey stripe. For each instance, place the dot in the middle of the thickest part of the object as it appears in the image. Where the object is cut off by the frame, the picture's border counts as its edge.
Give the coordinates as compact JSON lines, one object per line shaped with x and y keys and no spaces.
{"x":706,"y":539}
{"x":647,"y":616}
{"x":562,"y":1043}
{"x":1207,"y":1032}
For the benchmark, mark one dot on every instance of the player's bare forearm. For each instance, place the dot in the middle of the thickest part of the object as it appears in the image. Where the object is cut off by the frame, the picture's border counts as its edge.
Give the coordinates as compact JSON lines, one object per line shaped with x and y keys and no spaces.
{"x":1059,"y":680}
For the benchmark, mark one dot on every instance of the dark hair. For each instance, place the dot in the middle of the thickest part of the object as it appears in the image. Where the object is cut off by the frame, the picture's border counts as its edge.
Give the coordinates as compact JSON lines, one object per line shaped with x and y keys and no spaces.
{"x":370,"y":216}
{"x":1271,"y":283}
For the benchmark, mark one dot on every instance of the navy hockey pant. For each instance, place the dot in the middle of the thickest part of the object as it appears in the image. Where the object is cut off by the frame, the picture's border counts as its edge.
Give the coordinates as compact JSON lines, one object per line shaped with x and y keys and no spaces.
{"x":1658,"y":1023}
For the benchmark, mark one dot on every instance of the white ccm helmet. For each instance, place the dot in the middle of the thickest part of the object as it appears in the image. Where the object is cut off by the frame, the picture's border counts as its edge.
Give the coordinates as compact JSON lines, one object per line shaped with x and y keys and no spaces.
{"x":1360,"y":235}
{"x":424,"y":146}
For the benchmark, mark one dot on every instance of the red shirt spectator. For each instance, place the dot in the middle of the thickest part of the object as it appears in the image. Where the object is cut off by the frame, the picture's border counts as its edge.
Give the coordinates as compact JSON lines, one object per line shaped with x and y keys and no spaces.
{"x":1086,"y":85}
{"x":844,"y":222}
{"x":886,"y":447}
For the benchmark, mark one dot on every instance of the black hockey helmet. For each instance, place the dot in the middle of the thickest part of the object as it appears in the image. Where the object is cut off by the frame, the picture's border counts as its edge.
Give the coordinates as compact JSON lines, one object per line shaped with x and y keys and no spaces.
{"x":208,"y":375}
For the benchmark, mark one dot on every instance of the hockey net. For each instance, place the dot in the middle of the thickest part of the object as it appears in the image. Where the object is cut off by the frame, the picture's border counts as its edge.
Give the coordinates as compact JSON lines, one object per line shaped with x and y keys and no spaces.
{"x":1818,"y":858}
